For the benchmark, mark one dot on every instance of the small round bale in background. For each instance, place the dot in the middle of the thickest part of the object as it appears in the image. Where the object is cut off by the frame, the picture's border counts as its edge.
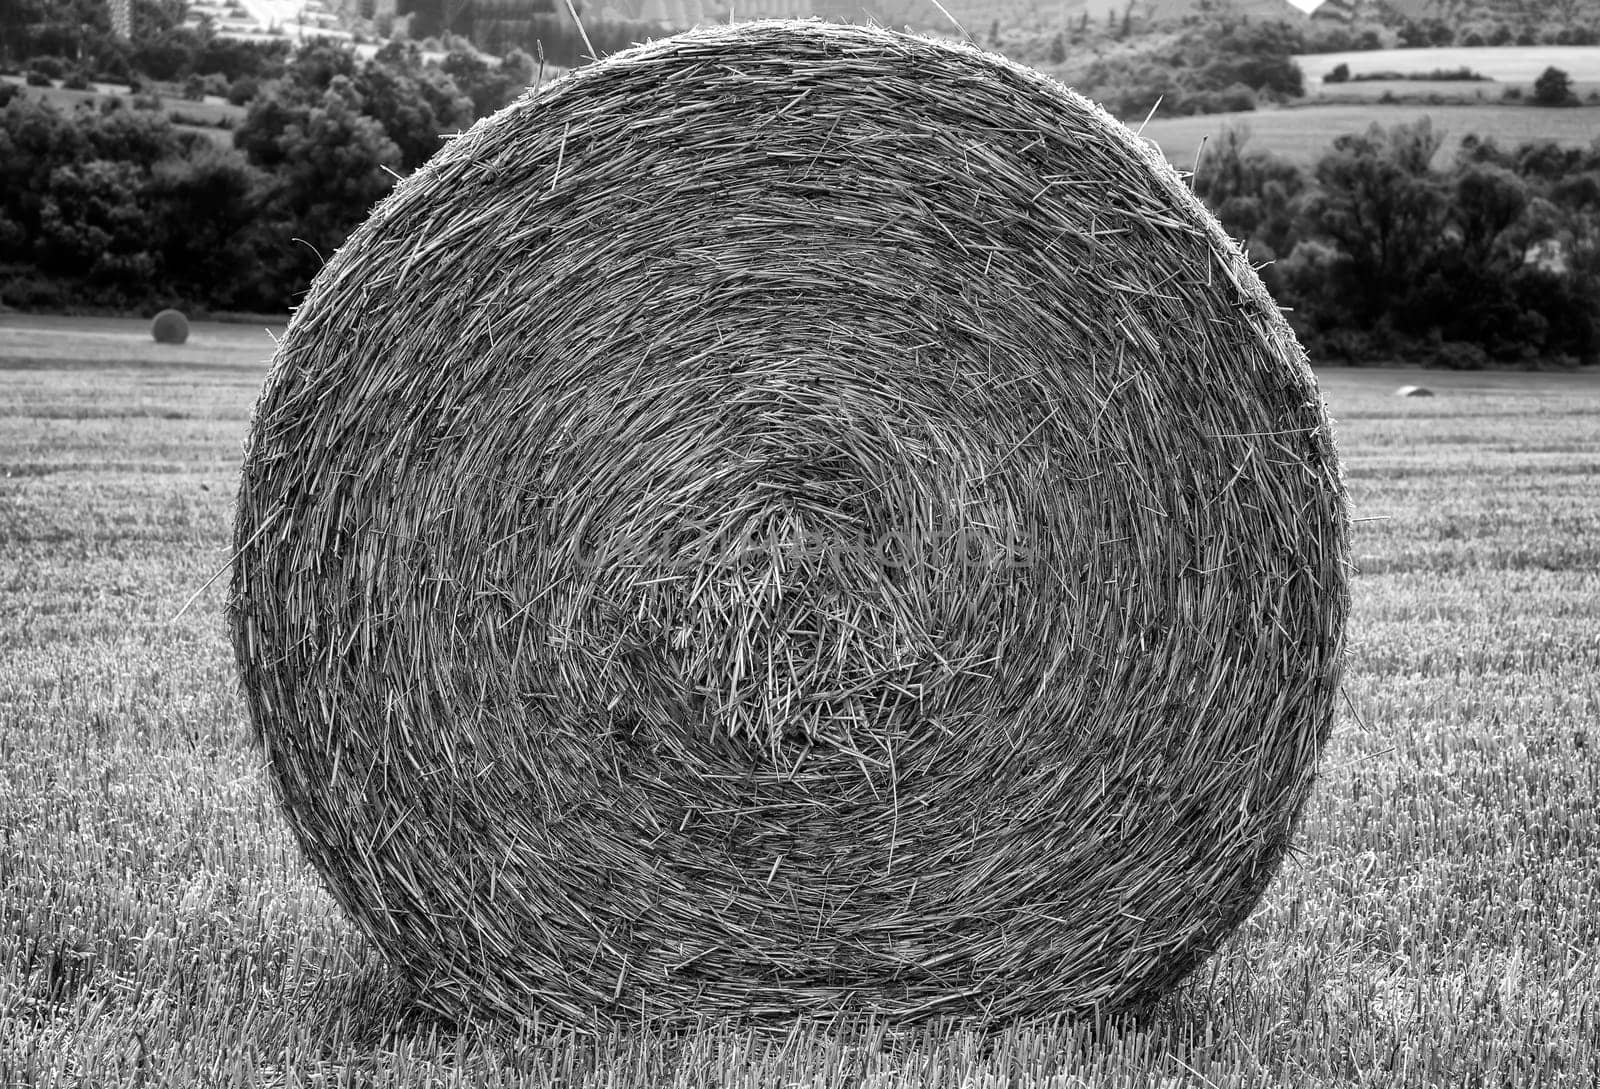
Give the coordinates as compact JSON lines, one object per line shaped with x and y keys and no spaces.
{"x":792,"y":518}
{"x":170,"y":327}
{"x":1413,"y":391}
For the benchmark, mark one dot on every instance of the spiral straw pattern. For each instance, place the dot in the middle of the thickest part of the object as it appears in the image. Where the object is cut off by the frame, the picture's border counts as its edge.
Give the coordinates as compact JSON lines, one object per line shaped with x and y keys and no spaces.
{"x":791,"y":518}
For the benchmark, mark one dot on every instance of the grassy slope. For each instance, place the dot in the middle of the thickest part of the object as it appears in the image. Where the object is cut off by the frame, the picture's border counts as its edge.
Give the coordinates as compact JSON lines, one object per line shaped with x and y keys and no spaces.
{"x":1514,"y":13}
{"x":1052,"y":15}
{"x":157,"y":928}
{"x":202,"y":116}
{"x":1519,"y":65}
{"x":1303,"y":133}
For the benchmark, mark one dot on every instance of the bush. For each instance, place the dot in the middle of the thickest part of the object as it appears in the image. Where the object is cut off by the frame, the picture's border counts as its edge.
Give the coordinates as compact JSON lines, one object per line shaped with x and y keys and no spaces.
{"x":170,"y":327}
{"x":37,"y":78}
{"x":53,"y":67}
{"x":76,"y":81}
{"x":1553,"y":88}
{"x":9,"y":91}
{"x":30,"y":291}
{"x":1457,"y":355}
{"x":1339,"y":74}
{"x":169,"y":55}
{"x":1237,"y":99}
{"x":1440,"y":75}
{"x":1462,"y":74}
{"x":1352,"y":347}
{"x":113,"y":67}
{"x":145,"y":100}
{"x":199,"y":121}
{"x":242,"y":90}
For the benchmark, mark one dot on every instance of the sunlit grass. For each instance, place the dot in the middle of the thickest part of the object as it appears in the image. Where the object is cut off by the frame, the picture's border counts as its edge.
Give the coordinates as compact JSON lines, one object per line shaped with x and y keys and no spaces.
{"x":1303,"y":134}
{"x":1437,"y":926}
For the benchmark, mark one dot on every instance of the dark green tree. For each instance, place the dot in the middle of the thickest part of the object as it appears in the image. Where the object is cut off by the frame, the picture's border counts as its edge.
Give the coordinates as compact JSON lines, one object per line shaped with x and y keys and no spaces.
{"x":417,"y":105}
{"x":317,"y":63}
{"x":1255,"y":194}
{"x":1488,"y":201}
{"x":92,"y":223}
{"x":204,"y":222}
{"x":487,"y":86}
{"x":1381,"y":206}
{"x":1553,"y":88}
{"x":1466,"y":291}
{"x":34,"y":141}
{"x":329,"y":163}
{"x":168,"y":55}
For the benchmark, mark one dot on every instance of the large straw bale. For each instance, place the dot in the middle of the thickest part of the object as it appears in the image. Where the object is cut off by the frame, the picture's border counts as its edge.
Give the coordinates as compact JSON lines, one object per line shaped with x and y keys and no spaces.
{"x":789,"y":518}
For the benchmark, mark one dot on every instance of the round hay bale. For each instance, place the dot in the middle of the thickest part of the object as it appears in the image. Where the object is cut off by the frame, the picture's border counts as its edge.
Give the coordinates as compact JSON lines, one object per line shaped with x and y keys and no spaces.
{"x":1414,"y":391}
{"x":170,"y":327}
{"x":791,"y":518}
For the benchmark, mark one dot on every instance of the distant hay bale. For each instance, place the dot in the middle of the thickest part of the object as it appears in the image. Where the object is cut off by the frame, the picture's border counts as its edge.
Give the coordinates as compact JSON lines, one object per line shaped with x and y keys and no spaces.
{"x":170,"y":327}
{"x":1413,"y":391}
{"x":791,"y":518}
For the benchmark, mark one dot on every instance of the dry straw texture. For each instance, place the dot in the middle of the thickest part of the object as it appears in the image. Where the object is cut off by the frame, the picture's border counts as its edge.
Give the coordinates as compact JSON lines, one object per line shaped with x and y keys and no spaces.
{"x":170,"y":327}
{"x":790,"y":518}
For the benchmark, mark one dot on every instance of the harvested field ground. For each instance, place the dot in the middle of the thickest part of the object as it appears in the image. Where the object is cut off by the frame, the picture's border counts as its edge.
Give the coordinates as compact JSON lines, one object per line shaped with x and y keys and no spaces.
{"x":1304,"y":133}
{"x":1438,"y":926}
{"x":211,"y":116}
{"x":1433,"y":92}
{"x":1516,"y":65}
{"x":210,"y":110}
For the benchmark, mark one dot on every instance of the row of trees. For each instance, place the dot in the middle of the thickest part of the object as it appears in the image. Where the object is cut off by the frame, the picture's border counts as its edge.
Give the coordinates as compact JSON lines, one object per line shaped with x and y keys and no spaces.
{"x":1210,"y":28}
{"x":118,"y":208}
{"x":1378,"y":253}
{"x":1212,"y":67}
{"x":1492,"y":257}
{"x":533,"y":26}
{"x":77,"y":35}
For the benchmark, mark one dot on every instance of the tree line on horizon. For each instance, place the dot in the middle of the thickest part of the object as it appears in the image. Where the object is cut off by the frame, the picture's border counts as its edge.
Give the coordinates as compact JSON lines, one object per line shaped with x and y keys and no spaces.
{"x":1377,"y":253}
{"x":1493,"y":258}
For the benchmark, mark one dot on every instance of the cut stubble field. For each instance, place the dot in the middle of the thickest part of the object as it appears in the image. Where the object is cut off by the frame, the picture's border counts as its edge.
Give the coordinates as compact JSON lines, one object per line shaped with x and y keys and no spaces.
{"x":1438,"y":924}
{"x":1516,"y":65}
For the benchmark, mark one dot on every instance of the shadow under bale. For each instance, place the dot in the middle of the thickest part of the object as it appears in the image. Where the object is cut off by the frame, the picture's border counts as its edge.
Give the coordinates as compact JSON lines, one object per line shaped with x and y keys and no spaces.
{"x":791,"y":518}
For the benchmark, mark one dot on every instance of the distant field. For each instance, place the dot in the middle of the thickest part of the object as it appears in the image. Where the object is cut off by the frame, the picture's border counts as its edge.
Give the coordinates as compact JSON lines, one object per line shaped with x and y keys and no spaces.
{"x":209,"y":112}
{"x":1435,"y":928}
{"x":1427,"y":91}
{"x":1513,"y":67}
{"x":76,"y":342}
{"x":1302,"y":134}
{"x":1520,"y":64}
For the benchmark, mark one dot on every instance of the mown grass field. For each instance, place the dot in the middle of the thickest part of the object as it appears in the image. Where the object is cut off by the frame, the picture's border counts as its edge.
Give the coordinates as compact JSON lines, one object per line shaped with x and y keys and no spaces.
{"x":211,"y":116}
{"x":1440,"y":925}
{"x":1511,"y":64}
{"x":1303,"y":133}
